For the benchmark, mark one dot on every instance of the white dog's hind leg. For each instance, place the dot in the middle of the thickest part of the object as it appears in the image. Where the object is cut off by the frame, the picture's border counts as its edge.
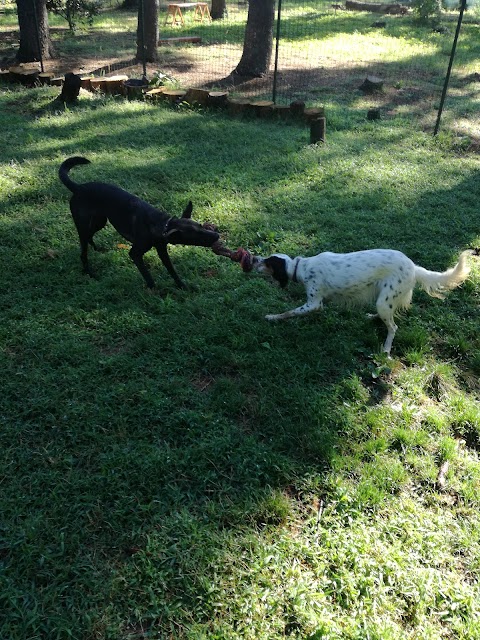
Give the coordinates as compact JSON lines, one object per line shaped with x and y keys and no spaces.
{"x":392,"y":328}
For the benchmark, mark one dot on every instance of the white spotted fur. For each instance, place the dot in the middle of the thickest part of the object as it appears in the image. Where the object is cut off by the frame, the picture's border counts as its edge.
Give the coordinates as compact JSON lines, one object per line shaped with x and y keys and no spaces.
{"x":383,"y":277}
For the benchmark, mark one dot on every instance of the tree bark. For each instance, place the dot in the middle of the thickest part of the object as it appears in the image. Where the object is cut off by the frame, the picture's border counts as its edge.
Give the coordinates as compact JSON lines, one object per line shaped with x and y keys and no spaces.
{"x":218,"y":9}
{"x":33,"y":46}
{"x":258,"y":42}
{"x":148,"y":30}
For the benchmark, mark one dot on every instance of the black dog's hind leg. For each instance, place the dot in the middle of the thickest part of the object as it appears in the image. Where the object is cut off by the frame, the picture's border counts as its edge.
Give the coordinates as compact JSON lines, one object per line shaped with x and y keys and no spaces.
{"x":165,"y":258}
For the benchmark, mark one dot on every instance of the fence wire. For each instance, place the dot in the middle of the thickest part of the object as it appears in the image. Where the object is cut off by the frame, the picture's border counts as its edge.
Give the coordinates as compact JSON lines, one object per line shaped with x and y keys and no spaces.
{"x":321,"y":53}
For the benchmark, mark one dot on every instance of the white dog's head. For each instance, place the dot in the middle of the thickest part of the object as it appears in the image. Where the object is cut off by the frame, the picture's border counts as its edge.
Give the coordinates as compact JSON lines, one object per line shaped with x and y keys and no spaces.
{"x":276,"y":265}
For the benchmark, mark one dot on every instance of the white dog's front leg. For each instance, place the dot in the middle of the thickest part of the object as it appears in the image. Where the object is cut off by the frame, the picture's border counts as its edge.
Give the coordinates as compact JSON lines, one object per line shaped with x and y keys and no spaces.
{"x":308,"y":307}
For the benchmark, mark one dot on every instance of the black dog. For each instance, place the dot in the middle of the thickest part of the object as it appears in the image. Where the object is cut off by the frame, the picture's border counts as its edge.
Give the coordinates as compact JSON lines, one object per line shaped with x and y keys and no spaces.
{"x":93,"y":204}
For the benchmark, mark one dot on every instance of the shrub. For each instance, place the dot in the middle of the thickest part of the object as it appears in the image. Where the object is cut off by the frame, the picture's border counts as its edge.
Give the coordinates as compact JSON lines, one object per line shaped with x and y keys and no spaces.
{"x":74,"y":11}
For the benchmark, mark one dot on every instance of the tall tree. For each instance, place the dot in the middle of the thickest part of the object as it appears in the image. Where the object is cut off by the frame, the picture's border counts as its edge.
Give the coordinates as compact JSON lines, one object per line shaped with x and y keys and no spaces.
{"x":35,"y":42}
{"x":218,"y":9}
{"x":258,"y":42}
{"x":147,"y":30}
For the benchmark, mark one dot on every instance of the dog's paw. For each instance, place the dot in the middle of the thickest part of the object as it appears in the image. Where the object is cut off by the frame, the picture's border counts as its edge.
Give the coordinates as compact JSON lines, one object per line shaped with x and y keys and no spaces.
{"x":271,"y":318}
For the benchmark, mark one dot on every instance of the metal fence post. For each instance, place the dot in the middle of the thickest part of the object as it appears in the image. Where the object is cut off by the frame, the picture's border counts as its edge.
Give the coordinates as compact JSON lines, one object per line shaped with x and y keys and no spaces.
{"x":450,"y":64}
{"x":142,"y":14}
{"x":277,"y":44}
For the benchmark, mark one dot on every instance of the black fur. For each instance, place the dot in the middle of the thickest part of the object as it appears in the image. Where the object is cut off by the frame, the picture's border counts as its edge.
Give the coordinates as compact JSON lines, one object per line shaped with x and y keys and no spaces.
{"x":93,"y":204}
{"x":279,"y":271}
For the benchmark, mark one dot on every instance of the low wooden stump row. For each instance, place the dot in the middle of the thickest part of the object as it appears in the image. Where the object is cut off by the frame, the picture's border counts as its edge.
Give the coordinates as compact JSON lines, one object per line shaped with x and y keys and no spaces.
{"x":132,"y":88}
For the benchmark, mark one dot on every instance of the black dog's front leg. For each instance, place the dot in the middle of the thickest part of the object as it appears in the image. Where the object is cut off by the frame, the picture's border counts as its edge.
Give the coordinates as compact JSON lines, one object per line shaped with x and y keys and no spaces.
{"x":137,"y":256}
{"x":165,"y":258}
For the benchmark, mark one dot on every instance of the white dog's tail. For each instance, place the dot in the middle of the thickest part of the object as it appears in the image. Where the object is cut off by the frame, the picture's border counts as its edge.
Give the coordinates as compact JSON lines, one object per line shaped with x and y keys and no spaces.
{"x":437,"y":284}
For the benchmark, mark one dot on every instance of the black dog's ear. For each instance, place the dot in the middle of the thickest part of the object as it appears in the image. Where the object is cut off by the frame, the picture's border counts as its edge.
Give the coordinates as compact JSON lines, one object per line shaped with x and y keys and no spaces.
{"x":188,"y":210}
{"x":279,"y":269}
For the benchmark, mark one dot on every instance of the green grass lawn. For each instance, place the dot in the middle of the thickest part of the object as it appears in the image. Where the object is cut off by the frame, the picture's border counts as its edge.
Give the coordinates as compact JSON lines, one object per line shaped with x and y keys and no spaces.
{"x":174,"y":466}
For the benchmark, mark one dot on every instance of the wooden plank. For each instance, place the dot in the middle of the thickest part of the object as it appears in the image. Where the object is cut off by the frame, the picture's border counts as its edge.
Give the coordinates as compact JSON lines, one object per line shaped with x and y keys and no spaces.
{"x":182,"y":40}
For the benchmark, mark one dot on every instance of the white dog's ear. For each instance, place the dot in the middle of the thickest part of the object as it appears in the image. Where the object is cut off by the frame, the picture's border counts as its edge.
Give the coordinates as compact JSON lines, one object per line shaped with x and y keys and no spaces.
{"x":278,"y":268}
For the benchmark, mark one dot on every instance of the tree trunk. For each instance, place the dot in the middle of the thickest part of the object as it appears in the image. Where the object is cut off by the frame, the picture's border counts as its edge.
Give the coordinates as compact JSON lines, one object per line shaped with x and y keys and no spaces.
{"x":218,"y":9}
{"x":33,"y":46}
{"x":147,"y":31}
{"x":258,"y":42}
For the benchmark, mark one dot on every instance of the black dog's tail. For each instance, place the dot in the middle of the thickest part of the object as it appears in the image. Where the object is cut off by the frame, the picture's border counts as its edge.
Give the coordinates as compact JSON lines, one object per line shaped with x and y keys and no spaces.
{"x":65,"y":168}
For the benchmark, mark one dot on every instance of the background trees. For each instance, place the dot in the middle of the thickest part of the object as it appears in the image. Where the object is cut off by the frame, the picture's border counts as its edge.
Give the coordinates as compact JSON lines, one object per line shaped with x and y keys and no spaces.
{"x":35,"y":44}
{"x":258,"y":43}
{"x":147,"y":30}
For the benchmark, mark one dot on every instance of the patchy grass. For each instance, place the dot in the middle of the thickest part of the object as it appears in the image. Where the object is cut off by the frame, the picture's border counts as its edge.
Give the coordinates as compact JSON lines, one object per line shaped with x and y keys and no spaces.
{"x":173,"y":466}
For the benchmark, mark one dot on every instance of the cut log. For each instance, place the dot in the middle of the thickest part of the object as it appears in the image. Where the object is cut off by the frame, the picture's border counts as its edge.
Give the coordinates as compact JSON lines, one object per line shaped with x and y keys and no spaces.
{"x":317,"y":130}
{"x":282,"y":111}
{"x":155,"y":94}
{"x":97,"y":84}
{"x":371,"y":84}
{"x":45,"y":78}
{"x":312,"y":113}
{"x":375,"y":7}
{"x":134,"y":88}
{"x":197,"y":96}
{"x":217,"y":99}
{"x":262,"y":108}
{"x":4,"y":74}
{"x":174,"y":96}
{"x":114,"y":85}
{"x":181,"y":40}
{"x":297,"y":107}
{"x":237,"y":106}
{"x":26,"y":74}
{"x":86,"y":82}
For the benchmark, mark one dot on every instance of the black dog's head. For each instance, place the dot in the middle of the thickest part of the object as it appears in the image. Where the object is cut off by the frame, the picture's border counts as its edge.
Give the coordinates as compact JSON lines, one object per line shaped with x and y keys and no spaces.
{"x":184,"y":230}
{"x":275,"y":266}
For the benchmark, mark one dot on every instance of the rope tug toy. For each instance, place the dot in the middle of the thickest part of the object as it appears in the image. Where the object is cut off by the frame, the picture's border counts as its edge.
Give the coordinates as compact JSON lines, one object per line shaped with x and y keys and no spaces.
{"x":241,"y":255}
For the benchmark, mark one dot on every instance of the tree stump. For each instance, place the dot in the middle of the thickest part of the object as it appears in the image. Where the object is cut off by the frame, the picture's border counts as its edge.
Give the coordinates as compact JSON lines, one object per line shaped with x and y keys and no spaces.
{"x":97,"y":84}
{"x":282,"y":111}
{"x":45,"y":78}
{"x":262,"y":108}
{"x":317,"y":130}
{"x":134,"y":88}
{"x":297,"y":107}
{"x":174,"y":96}
{"x":371,"y":84}
{"x":114,"y":85}
{"x":26,"y":74}
{"x":197,"y":96}
{"x":155,"y":94}
{"x":237,"y":106}
{"x":56,"y":82}
{"x":312,"y":113}
{"x":86,"y":83}
{"x":217,"y":99}
{"x":71,"y":88}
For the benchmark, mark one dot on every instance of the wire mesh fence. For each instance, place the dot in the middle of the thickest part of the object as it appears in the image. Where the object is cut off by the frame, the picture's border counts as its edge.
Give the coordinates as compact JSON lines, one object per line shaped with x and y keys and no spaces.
{"x":321,"y":53}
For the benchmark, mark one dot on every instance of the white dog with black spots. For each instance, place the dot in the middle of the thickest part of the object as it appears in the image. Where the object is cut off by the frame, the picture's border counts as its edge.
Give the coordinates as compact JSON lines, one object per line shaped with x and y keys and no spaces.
{"x":383,"y":277}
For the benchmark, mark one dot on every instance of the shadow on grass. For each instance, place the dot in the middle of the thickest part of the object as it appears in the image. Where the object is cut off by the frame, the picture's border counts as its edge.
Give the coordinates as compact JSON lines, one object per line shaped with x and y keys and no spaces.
{"x":151,"y":441}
